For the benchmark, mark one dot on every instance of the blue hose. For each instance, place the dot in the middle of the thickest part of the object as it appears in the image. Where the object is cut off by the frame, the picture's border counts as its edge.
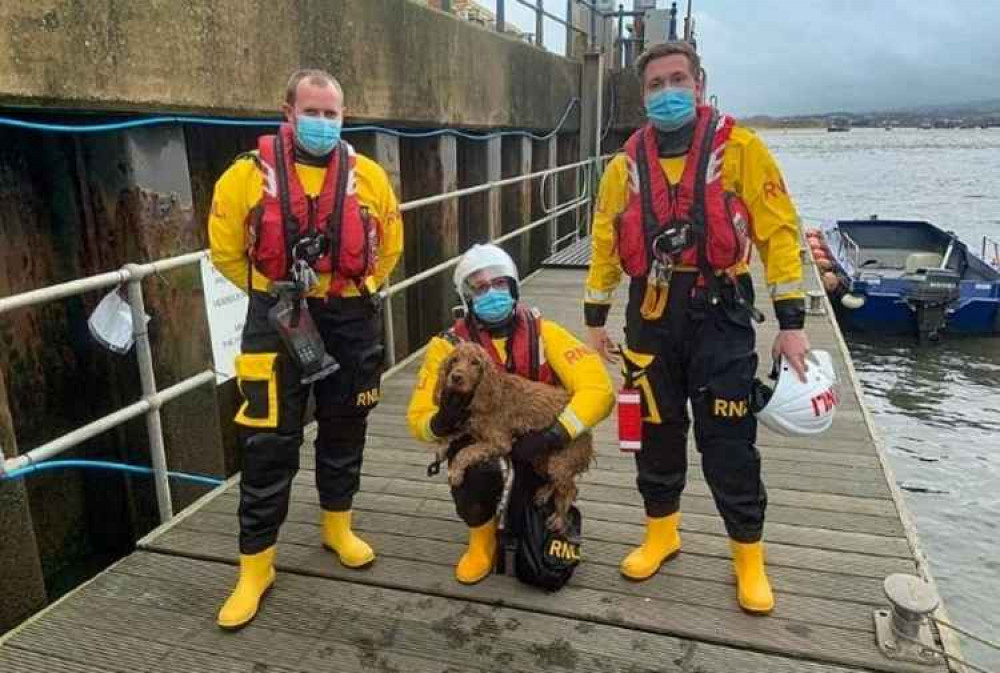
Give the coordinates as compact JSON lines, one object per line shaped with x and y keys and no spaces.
{"x":105,"y":465}
{"x":216,"y":121}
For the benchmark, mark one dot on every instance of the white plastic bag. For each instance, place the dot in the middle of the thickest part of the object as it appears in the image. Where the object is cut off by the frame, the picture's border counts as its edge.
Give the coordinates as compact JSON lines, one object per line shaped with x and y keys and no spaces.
{"x":111,"y":323}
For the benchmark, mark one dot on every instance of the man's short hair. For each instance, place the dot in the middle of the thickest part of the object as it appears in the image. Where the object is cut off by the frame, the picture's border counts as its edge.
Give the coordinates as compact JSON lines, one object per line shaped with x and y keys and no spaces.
{"x":668,"y":49}
{"x":315,"y":76}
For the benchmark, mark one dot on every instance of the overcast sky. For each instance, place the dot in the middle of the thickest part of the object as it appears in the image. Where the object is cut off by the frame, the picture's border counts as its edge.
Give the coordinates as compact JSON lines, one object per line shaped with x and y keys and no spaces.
{"x":800,"y":56}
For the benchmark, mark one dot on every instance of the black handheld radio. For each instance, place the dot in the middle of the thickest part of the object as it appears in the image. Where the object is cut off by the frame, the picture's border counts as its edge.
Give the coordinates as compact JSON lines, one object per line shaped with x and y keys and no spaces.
{"x":294,"y":324}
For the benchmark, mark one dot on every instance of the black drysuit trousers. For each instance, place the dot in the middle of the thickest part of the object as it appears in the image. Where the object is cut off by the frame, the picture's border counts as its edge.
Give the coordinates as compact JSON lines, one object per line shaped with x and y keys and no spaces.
{"x":703,"y":352}
{"x":351,"y":331}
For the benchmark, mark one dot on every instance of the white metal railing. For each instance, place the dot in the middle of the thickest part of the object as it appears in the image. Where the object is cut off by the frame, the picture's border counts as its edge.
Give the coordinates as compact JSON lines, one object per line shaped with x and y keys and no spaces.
{"x":990,"y":244}
{"x":853,"y":250}
{"x":553,"y":211}
{"x":152,"y":399}
{"x":132,"y":276}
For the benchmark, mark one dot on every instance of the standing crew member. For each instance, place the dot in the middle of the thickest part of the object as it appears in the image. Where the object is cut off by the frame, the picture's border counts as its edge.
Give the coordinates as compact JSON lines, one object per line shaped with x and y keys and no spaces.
{"x":308,"y":219}
{"x":676,"y":211}
{"x":523,"y":343}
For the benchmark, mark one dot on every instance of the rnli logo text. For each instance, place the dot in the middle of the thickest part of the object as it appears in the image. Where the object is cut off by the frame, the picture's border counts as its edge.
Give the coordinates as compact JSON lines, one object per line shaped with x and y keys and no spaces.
{"x":575,"y":354}
{"x":564,"y":550}
{"x":729,"y":408}
{"x":775,"y":188}
{"x":367,"y":398}
{"x":825,"y":402}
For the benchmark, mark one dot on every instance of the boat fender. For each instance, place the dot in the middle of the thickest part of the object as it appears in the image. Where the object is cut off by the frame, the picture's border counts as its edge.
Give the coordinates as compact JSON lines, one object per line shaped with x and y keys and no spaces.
{"x":852,"y":301}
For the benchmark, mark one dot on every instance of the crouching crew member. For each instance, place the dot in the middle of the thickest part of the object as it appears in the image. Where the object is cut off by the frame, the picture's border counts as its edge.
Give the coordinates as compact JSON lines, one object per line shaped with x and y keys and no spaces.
{"x":676,"y":211}
{"x":304,"y":211}
{"x":523,"y":343}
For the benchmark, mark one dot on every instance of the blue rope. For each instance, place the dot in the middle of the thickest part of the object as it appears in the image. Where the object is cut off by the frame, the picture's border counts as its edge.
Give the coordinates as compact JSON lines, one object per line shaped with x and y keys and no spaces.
{"x":105,"y":465}
{"x":214,"y":121}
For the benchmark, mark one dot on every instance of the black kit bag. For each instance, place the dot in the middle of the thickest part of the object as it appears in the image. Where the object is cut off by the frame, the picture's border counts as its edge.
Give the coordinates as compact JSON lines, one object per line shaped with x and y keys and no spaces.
{"x":543,"y":558}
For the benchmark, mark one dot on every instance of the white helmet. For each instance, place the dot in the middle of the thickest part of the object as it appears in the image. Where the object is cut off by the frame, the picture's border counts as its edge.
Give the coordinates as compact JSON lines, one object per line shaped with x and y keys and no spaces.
{"x":797,"y":409}
{"x":484,"y":257}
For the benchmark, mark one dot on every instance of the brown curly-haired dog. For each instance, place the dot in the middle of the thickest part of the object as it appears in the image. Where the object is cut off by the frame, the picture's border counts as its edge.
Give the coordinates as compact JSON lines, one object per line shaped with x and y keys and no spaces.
{"x":503,"y":406}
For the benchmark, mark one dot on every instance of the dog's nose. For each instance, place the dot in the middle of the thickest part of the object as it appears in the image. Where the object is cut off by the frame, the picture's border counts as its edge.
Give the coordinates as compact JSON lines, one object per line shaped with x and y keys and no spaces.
{"x":455,"y":379}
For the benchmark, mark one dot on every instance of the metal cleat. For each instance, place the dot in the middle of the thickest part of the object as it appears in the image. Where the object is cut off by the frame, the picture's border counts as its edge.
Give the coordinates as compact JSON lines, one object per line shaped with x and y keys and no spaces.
{"x":815,"y":303}
{"x":903,"y":632}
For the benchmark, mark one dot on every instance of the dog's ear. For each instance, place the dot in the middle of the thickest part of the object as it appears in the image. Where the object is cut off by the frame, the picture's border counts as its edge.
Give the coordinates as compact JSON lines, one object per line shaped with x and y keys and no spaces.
{"x":488,"y":396}
{"x":443,"y":372}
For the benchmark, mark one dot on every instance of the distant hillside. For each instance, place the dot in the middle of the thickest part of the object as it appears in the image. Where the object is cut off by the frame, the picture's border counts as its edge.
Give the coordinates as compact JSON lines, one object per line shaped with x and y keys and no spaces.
{"x":990,"y":106}
{"x":948,"y":115}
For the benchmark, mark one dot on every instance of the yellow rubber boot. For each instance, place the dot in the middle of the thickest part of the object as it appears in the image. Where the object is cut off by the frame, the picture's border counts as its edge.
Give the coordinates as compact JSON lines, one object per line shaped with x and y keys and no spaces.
{"x":338,"y":537}
{"x":662,"y":542}
{"x":477,"y":561}
{"x":753,"y":588}
{"x":256,"y":577}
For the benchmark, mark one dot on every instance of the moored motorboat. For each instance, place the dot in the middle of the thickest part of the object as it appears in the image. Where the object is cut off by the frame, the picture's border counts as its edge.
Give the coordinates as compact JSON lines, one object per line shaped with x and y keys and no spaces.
{"x":907,"y":277}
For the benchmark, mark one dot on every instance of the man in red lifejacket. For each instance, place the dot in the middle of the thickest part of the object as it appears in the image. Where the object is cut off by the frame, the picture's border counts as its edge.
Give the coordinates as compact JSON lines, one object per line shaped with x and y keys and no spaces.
{"x":523,"y":343}
{"x":677,"y":210}
{"x":306,"y":208}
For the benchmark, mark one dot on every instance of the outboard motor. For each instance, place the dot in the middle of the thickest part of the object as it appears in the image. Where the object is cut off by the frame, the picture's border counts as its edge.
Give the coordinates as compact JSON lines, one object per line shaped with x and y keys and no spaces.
{"x":932,"y":292}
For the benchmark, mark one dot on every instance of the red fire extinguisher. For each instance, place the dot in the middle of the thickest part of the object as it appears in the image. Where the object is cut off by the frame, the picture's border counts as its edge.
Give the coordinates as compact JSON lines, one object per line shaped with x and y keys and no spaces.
{"x":629,"y":420}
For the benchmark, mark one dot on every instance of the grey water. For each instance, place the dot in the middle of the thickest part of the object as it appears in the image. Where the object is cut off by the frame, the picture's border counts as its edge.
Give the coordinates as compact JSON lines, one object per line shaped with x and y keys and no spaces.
{"x":937,"y":408}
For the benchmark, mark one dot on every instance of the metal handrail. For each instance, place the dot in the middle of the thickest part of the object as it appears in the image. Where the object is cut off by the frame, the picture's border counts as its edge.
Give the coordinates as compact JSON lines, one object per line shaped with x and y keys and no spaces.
{"x":390,"y":290}
{"x":486,"y":186}
{"x":987,"y":242}
{"x":126,"y":274}
{"x":132,"y":275}
{"x":542,"y":11}
{"x":845,"y":237}
{"x":73,"y":438}
{"x":546,"y":208}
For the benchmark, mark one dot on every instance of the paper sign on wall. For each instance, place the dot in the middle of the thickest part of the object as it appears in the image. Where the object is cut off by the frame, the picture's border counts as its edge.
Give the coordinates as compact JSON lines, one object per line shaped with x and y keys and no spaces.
{"x":226,"y":307}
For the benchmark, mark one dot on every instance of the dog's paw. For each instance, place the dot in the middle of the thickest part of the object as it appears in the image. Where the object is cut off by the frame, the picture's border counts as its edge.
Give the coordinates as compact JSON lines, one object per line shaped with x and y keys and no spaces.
{"x":555,"y":523}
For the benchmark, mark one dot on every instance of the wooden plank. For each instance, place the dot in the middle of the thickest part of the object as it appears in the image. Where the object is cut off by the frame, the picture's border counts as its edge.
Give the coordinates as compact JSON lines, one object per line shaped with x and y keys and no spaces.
{"x":16,"y":660}
{"x":367,"y":621}
{"x":699,"y":560}
{"x":600,"y":485}
{"x":779,"y":555}
{"x":722,"y":626}
{"x":87,"y":646}
{"x":798,"y":476}
{"x":826,"y":529}
{"x":678,"y":588}
{"x":619,"y":487}
{"x":389,"y":422}
{"x":607,"y":517}
{"x":776,"y":460}
{"x":620,"y":504}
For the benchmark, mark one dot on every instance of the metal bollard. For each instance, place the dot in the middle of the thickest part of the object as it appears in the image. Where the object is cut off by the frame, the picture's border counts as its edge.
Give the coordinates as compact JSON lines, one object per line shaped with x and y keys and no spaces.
{"x":903,"y":631}
{"x":815,"y":305}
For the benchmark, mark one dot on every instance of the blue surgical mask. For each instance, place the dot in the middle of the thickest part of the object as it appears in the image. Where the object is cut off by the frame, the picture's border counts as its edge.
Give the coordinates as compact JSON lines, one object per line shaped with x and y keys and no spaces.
{"x":493,"y":306}
{"x":671,"y":108}
{"x":317,"y":135}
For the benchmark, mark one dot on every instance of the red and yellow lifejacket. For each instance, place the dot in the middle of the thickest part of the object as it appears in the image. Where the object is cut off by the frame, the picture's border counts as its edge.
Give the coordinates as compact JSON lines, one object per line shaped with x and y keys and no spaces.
{"x":718,"y":220}
{"x":525,"y":351}
{"x":286,"y":214}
